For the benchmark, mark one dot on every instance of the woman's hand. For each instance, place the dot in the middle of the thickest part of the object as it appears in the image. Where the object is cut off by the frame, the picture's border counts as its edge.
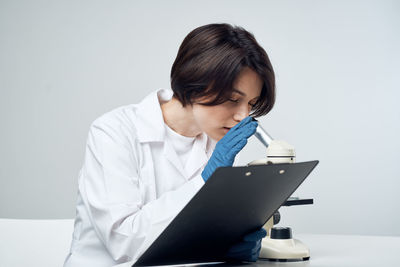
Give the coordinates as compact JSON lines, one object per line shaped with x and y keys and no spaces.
{"x":226,"y":149}
{"x":249,"y":249}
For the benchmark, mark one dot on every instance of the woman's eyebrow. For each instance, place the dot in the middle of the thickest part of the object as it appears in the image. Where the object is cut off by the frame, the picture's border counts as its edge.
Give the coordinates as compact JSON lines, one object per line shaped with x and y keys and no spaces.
{"x":242,"y":94}
{"x":239,"y":92}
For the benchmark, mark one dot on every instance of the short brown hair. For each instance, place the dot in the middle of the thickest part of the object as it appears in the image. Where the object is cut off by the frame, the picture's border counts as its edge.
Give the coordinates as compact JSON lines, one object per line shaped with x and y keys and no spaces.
{"x":209,"y":60}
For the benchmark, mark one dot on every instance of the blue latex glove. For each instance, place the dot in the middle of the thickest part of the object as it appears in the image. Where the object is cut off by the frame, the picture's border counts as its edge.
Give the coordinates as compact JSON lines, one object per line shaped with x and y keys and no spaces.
{"x":249,"y":248}
{"x":226,"y":149}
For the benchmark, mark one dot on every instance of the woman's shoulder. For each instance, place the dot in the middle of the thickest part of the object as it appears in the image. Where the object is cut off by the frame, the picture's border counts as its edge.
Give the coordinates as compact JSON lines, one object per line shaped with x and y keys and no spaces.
{"x":116,"y":116}
{"x":117,"y":123}
{"x":142,"y":121}
{"x":128,"y":114}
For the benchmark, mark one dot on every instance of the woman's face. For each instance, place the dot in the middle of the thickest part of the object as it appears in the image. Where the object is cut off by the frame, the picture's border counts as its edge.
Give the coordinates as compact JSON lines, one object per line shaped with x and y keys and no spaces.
{"x":216,"y":121}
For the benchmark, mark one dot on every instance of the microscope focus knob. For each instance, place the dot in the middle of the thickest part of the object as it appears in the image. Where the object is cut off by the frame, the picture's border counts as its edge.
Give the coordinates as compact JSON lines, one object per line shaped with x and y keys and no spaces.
{"x":277,"y":217}
{"x":281,"y":233}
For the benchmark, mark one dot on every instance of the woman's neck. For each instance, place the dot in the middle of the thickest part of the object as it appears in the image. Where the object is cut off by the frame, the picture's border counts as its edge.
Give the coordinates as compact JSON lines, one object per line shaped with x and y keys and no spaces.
{"x":179,"y":118}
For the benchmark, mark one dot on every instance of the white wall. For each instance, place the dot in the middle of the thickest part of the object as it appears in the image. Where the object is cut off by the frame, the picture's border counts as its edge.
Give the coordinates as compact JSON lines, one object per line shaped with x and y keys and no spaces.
{"x":64,"y":63}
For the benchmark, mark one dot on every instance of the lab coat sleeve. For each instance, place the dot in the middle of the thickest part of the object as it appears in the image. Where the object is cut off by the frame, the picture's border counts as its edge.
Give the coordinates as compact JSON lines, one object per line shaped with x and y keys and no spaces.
{"x":111,"y":190}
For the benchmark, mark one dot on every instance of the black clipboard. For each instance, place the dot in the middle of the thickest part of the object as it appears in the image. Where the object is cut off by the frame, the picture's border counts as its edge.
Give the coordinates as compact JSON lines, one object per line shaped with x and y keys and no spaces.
{"x":233,"y":202}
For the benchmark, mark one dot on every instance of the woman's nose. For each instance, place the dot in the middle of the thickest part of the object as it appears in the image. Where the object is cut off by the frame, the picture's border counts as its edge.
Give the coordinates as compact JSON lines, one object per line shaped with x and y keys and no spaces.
{"x":241,"y":113}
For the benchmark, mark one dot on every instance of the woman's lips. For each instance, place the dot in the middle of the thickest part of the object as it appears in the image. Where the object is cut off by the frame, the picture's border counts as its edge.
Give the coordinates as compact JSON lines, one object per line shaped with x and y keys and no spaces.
{"x":226,"y":129}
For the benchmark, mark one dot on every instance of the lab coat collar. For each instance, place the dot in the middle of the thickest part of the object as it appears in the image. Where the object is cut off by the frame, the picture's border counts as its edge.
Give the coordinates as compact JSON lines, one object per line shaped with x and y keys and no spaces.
{"x":151,"y":128}
{"x":150,"y":121}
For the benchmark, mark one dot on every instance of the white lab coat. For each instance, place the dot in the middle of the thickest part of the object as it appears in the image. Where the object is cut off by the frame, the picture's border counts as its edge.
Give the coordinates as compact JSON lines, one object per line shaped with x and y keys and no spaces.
{"x":132,"y":184}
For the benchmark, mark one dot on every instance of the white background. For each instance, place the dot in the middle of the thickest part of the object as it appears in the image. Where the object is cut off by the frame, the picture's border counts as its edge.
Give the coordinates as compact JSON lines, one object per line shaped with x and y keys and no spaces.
{"x":64,"y":63}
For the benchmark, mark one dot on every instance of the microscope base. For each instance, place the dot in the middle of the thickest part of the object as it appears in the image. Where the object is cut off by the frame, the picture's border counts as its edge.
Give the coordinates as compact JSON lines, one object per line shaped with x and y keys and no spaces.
{"x":283,"y":250}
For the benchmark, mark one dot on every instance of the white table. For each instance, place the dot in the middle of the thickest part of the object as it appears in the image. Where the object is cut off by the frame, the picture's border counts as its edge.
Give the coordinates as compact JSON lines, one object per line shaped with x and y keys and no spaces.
{"x":341,"y":251}
{"x":45,"y":243}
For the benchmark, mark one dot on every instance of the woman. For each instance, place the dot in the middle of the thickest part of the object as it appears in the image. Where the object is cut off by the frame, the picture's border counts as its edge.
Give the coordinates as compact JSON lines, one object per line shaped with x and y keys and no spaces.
{"x":144,"y":162}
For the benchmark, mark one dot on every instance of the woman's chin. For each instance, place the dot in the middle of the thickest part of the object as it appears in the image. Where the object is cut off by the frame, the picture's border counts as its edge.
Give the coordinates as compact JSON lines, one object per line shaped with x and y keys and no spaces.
{"x":216,"y":135}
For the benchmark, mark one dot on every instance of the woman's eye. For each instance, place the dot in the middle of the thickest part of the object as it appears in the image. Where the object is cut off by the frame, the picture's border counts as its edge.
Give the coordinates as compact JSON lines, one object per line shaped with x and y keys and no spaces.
{"x":234,"y":100}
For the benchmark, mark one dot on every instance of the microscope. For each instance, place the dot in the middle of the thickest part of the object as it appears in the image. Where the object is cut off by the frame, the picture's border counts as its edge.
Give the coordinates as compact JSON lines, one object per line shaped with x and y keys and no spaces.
{"x":279,"y":245}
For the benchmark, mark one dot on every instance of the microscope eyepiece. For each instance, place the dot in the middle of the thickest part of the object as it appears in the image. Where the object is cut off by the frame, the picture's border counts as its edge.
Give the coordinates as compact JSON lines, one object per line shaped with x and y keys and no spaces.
{"x":262,"y":135}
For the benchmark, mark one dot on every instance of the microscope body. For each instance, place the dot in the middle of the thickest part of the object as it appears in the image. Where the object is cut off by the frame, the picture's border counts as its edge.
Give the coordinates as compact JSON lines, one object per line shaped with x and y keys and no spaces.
{"x":278,"y":151}
{"x":278,"y":245}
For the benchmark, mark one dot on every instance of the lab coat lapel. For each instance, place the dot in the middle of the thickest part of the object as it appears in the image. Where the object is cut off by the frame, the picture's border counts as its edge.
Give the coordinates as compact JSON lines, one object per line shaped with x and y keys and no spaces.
{"x":198,"y":157}
{"x":172,"y":157}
